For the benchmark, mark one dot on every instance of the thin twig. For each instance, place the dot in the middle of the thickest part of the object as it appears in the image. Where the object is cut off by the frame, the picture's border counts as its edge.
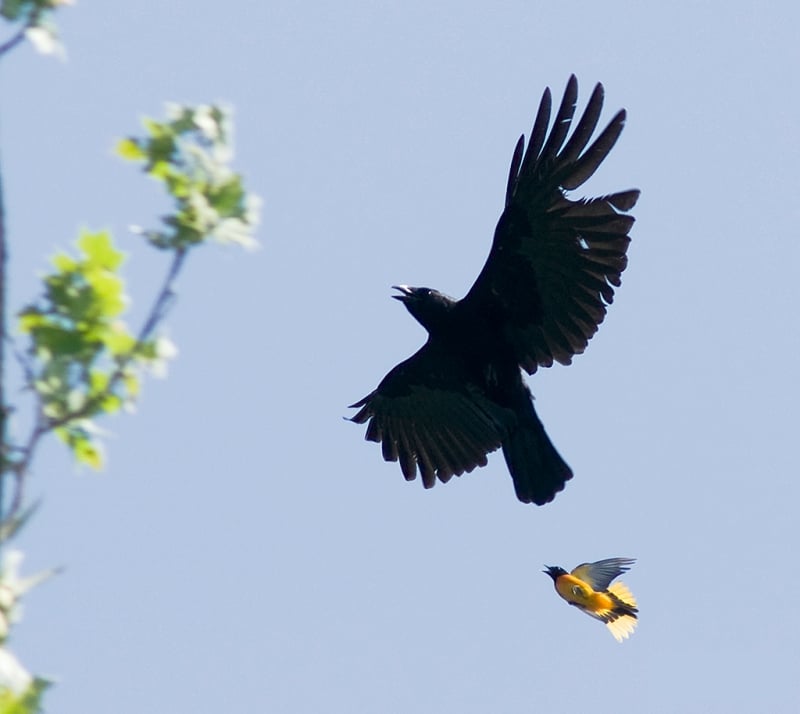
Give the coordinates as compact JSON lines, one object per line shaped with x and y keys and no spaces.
{"x":21,"y":469}
{"x":165,"y":297}
{"x":11,"y":43}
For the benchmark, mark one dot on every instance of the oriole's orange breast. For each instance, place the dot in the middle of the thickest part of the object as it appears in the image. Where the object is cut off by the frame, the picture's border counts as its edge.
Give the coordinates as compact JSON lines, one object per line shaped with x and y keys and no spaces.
{"x":578,"y":592}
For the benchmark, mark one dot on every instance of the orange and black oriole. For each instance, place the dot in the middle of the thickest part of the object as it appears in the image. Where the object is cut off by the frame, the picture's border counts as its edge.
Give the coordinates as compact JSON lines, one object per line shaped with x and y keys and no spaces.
{"x":588,"y":587}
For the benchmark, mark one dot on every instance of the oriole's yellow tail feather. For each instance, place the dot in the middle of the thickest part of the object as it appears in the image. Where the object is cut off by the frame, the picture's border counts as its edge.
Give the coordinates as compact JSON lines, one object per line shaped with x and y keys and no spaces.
{"x":622,"y":592}
{"x":625,"y":623}
{"x":622,"y":627}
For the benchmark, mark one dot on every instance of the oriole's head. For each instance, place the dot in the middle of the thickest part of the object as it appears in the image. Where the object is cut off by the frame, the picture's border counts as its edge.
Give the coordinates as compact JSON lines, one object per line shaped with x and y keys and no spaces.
{"x":554,"y":571}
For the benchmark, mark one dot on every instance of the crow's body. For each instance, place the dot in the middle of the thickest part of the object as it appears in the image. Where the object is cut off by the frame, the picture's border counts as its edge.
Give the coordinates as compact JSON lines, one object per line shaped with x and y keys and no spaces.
{"x":540,"y":297}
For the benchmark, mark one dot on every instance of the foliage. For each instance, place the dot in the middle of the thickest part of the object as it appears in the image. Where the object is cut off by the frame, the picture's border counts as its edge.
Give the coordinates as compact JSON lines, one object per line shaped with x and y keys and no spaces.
{"x":190,"y":153}
{"x":78,"y":345}
{"x":80,"y":359}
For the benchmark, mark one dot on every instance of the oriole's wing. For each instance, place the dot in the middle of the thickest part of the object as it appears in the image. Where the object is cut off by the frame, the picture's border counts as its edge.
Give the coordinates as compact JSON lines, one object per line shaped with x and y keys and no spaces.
{"x":428,"y":415}
{"x":600,"y":574}
{"x":554,"y":262}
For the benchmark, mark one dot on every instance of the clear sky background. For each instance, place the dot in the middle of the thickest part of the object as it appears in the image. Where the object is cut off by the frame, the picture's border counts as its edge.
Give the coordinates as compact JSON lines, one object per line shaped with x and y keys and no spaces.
{"x":246,"y":549}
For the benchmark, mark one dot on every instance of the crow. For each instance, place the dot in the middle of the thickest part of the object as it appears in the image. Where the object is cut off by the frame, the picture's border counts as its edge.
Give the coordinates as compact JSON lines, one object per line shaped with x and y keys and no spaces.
{"x":540,"y":297}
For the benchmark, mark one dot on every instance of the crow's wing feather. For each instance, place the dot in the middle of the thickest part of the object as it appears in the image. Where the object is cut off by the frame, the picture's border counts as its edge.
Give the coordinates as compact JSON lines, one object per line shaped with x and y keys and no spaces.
{"x":555,"y":262}
{"x":429,"y":416}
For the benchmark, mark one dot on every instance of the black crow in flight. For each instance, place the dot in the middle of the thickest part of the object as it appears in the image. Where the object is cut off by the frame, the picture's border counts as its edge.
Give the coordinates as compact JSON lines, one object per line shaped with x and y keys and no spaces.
{"x":540,"y":297}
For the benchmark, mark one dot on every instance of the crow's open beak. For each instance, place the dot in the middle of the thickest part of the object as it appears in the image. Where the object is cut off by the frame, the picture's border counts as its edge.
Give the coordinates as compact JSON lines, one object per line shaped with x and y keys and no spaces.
{"x":407,"y":292}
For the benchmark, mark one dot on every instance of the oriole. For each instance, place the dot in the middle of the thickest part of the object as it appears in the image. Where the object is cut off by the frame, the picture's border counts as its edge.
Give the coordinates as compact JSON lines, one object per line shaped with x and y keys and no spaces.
{"x":588,"y":587}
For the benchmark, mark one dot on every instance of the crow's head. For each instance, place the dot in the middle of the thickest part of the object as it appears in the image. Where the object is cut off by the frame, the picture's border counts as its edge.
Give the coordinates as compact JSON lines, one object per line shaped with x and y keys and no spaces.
{"x":429,"y":307}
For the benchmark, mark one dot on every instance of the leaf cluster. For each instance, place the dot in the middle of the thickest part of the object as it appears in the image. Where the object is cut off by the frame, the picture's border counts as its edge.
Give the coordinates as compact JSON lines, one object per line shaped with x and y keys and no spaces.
{"x":83,"y":358}
{"x":190,"y":153}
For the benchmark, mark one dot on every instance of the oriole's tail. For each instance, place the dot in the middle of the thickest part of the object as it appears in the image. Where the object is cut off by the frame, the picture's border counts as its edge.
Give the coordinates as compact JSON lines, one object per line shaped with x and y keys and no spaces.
{"x":538,"y":470}
{"x":622,"y":620}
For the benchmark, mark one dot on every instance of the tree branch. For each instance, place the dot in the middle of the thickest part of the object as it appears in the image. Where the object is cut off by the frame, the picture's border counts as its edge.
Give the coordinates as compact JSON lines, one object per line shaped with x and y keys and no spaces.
{"x":43,"y":425}
{"x":3,"y":408}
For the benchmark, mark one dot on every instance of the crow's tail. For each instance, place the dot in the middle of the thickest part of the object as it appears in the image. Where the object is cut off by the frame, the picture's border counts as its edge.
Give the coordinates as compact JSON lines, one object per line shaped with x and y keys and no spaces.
{"x":538,"y":470}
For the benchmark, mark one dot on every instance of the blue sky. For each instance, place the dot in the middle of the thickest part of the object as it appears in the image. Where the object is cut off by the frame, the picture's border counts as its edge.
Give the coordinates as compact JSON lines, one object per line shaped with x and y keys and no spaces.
{"x":246,"y":549}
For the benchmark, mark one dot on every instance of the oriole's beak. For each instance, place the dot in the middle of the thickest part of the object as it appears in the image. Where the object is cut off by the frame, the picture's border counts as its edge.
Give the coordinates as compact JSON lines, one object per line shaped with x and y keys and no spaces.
{"x":552,"y":571}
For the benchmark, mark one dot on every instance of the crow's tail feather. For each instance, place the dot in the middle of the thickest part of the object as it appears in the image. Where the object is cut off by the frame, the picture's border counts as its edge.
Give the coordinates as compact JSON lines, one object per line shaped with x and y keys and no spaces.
{"x":538,"y":470}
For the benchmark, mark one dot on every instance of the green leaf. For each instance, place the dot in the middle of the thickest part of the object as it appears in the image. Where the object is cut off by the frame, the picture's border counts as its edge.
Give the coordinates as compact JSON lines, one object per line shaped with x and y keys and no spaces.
{"x":30,"y":318}
{"x":86,"y":452}
{"x":64,"y":263}
{"x":228,"y":199}
{"x":110,"y":403}
{"x":147,"y":350}
{"x":84,"y":448}
{"x":131,"y":382}
{"x":98,"y":381}
{"x":161,"y":148}
{"x":99,"y":250}
{"x":107,"y":297}
{"x":130,"y":150}
{"x":118,"y":341}
{"x":57,"y":340}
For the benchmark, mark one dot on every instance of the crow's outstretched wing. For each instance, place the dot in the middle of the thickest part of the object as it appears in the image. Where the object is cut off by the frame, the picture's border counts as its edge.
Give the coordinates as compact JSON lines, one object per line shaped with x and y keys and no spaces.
{"x":600,"y":574}
{"x":428,"y":415}
{"x":554,"y":262}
